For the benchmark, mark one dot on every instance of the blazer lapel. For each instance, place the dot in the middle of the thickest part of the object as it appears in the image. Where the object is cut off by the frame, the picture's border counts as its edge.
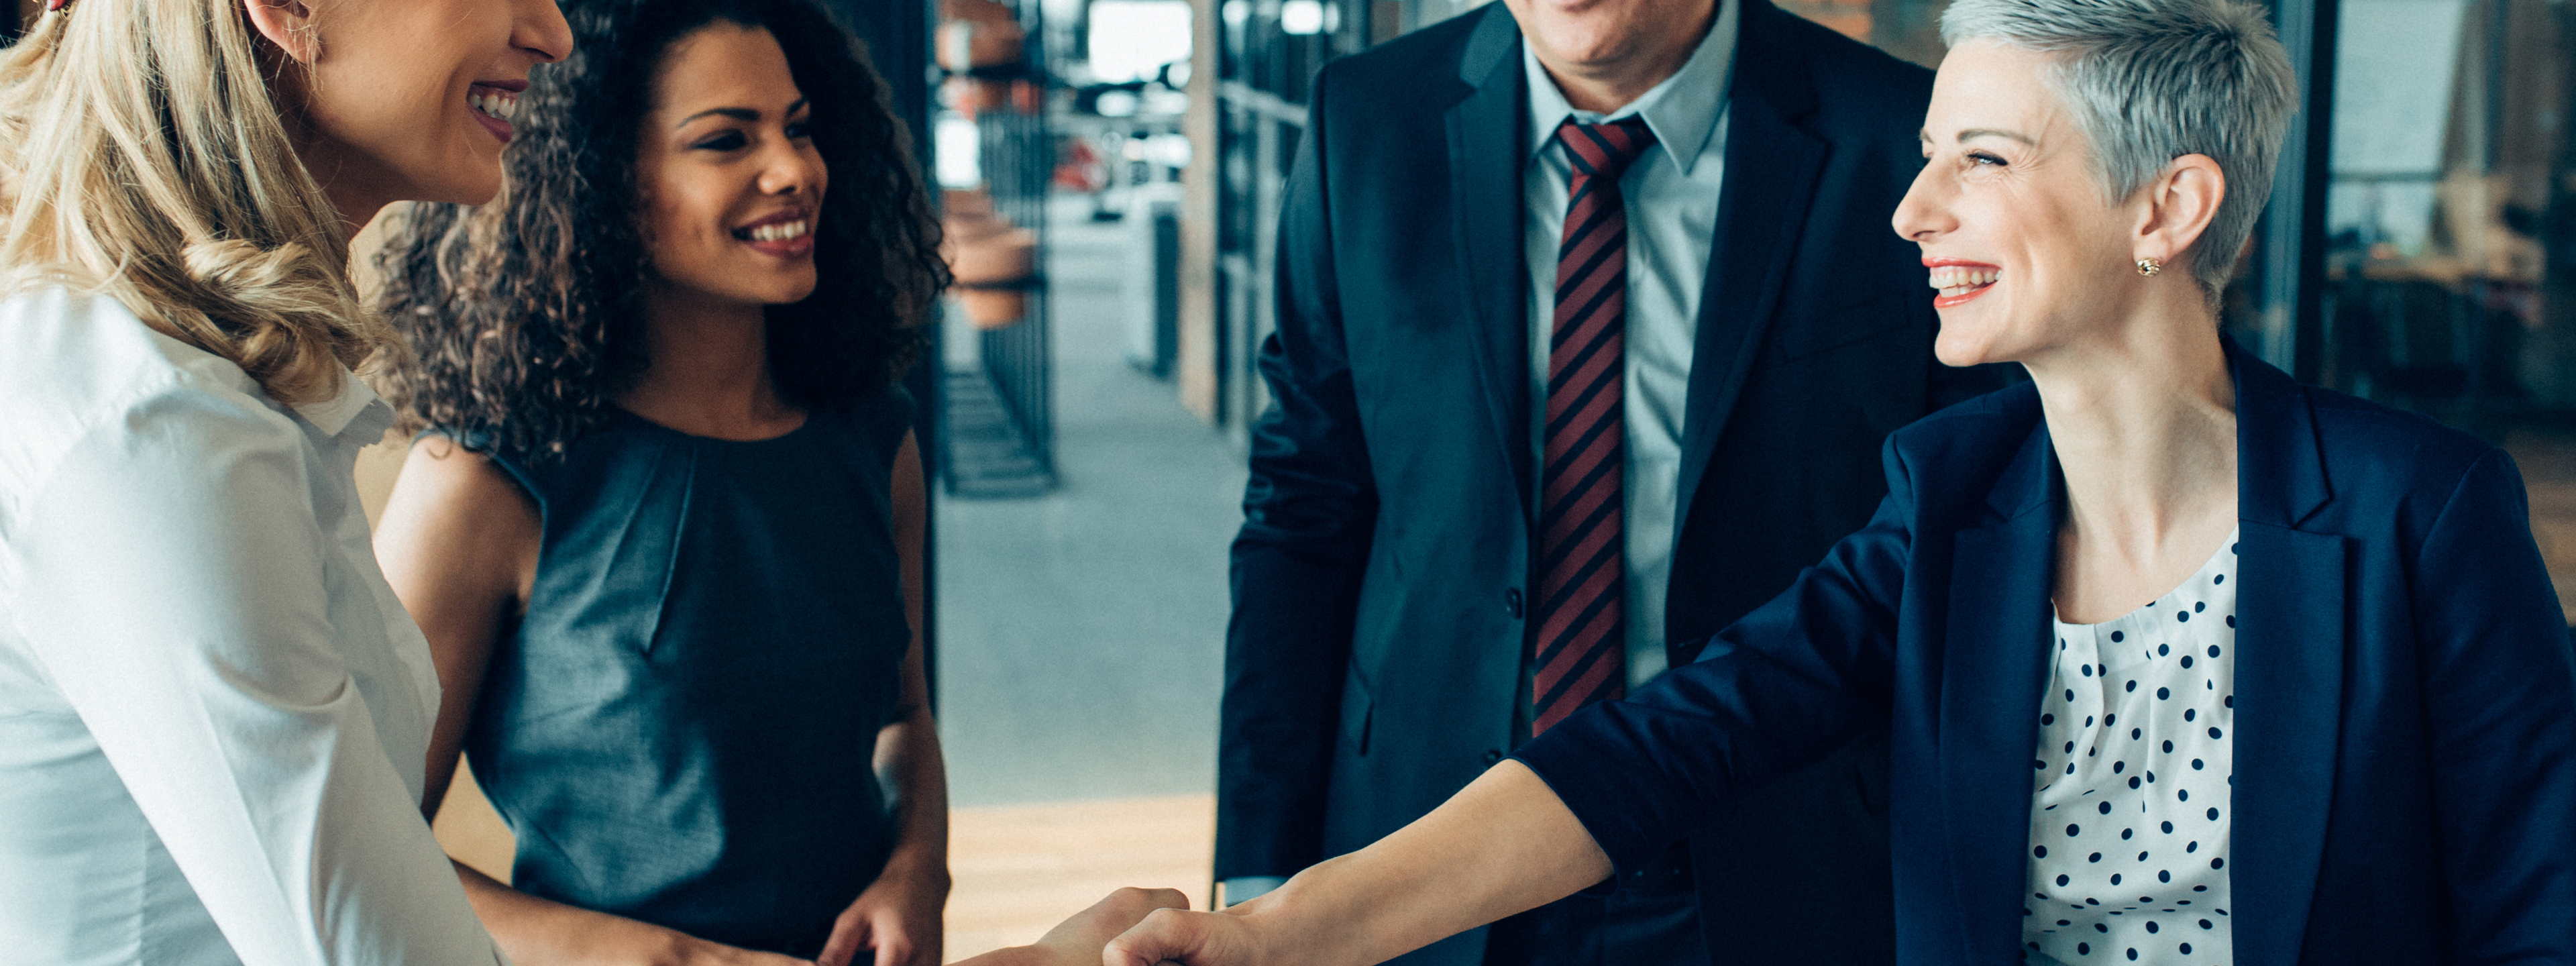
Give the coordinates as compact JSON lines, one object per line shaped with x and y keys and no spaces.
{"x":1995,"y":659}
{"x":1486,"y":149}
{"x":2289,"y":664}
{"x":1771,"y":171}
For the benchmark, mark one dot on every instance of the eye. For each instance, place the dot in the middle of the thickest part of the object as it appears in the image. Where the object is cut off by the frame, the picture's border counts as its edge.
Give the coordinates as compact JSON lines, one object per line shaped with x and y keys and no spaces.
{"x":727,"y":141}
{"x":1984,"y":158}
{"x":800,"y":128}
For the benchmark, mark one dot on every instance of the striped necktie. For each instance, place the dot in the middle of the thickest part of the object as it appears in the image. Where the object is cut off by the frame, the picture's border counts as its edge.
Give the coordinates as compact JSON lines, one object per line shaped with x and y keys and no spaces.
{"x":1583,"y":554}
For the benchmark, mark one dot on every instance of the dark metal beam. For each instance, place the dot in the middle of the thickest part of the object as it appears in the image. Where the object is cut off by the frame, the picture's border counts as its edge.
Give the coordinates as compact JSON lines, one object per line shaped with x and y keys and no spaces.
{"x":2294,"y":224}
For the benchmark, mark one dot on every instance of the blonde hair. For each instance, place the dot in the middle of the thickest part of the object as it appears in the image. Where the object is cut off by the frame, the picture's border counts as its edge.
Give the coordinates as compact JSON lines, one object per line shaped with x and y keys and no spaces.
{"x":143,"y":156}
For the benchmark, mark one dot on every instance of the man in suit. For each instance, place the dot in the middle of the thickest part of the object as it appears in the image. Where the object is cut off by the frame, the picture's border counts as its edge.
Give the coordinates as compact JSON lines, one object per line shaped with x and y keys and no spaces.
{"x":1591,"y":326}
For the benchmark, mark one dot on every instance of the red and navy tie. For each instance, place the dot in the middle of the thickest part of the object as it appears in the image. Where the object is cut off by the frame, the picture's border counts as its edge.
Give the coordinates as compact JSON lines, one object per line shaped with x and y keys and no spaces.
{"x":1582,"y":623}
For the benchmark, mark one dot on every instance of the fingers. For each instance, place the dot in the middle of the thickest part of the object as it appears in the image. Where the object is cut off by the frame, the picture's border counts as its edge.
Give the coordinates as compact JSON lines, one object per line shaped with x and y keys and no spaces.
{"x":1152,"y":899}
{"x":849,"y":935}
{"x":1168,"y":934}
{"x":1078,"y":940}
{"x":893,"y":949}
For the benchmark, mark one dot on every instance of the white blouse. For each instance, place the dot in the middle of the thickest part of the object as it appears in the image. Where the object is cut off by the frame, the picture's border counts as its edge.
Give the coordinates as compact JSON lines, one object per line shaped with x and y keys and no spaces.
{"x":2130,"y":803}
{"x":213,"y":711}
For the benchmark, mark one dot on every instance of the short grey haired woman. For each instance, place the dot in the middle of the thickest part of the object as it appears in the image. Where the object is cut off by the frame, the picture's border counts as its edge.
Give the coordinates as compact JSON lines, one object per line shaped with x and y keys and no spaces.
{"x":2102,"y":752}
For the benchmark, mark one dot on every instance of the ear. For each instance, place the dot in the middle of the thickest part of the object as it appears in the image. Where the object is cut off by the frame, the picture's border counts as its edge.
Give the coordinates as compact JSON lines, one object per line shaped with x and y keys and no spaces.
{"x":2179,"y":205}
{"x":288,"y":25}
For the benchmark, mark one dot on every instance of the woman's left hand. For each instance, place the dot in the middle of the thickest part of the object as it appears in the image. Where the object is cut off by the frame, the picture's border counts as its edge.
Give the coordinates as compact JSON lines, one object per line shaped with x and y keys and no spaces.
{"x":897,"y":922}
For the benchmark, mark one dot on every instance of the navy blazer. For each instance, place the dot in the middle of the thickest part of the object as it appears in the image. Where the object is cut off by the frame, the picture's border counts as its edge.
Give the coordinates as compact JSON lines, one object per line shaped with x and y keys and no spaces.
{"x":2405,"y":787}
{"x":1379,"y":633}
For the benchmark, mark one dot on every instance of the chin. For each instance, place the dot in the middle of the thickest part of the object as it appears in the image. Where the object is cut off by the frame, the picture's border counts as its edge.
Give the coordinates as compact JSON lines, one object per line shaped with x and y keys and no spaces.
{"x":1965,"y":344}
{"x":474,"y":181}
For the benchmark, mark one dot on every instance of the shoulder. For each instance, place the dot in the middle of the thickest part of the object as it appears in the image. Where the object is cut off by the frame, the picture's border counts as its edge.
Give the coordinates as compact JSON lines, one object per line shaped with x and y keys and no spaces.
{"x":466,"y":467}
{"x":1857,"y":86}
{"x":1415,"y":72}
{"x":875,"y":424}
{"x":76,"y":367}
{"x":2390,"y":464}
{"x":1998,"y":422}
{"x":460,"y":500}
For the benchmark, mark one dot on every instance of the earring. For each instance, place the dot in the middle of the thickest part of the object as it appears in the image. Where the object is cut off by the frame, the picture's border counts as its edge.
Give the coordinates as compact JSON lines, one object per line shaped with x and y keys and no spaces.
{"x":2150,"y":266}
{"x":52,"y":6}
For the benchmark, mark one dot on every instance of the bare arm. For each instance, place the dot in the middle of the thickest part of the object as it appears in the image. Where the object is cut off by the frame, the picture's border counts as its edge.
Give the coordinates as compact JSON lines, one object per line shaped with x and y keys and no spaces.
{"x":899,"y":917}
{"x":1504,"y":844}
{"x":459,"y":542}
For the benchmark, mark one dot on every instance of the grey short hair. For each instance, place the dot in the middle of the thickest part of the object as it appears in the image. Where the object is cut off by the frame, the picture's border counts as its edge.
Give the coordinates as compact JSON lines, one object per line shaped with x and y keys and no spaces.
{"x":2149,"y":81}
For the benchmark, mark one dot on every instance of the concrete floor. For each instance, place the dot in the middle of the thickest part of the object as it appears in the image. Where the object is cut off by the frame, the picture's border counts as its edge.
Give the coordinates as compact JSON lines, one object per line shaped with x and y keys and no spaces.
{"x":1081,"y":634}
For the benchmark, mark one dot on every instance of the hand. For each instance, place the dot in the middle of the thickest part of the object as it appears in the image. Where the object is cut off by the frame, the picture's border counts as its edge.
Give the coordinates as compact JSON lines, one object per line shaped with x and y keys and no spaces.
{"x":1192,"y":938}
{"x":899,"y":917}
{"x":1077,"y":941}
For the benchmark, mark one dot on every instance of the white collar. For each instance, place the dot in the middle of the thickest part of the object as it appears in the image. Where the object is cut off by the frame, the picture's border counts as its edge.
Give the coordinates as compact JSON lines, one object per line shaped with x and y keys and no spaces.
{"x":1682,"y":110}
{"x":356,"y":409}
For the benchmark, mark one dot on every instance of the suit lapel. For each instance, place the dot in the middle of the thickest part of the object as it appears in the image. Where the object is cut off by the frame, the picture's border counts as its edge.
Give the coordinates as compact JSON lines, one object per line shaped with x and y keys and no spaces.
{"x":1487,"y":148}
{"x":2291,"y":636}
{"x":1771,"y":171}
{"x":1995,"y":659}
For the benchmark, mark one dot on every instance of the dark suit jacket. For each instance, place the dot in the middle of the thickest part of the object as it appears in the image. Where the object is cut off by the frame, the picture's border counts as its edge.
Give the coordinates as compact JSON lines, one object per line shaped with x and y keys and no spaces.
{"x":2405,"y":785}
{"x":1378,"y":638}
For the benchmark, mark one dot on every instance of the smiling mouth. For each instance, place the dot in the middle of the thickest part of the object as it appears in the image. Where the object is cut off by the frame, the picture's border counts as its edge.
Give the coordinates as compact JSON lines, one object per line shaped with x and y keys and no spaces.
{"x":775,"y":231}
{"x":1959,"y":283}
{"x":494,"y":103}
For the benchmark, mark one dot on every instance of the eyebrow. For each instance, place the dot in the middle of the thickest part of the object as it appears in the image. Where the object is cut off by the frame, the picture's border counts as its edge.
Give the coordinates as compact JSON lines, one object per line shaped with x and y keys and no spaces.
{"x":1976,"y":132}
{"x":738,"y":113}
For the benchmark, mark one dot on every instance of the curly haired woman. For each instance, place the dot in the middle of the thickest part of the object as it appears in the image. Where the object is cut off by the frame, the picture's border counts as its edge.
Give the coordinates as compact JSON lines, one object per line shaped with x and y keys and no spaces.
{"x":665,"y":532}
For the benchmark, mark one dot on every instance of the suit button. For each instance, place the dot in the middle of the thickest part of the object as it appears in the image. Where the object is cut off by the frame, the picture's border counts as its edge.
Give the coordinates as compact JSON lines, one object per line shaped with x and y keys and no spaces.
{"x":1492,"y":756}
{"x":1512,"y":602}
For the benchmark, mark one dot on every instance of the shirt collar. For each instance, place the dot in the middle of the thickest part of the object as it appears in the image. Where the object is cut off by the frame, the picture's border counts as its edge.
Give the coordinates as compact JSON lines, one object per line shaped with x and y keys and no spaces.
{"x":1682,"y":111}
{"x":357,"y":409}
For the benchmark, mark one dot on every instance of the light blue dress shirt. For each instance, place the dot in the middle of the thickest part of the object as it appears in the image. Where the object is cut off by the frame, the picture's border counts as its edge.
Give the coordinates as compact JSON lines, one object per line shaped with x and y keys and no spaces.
{"x":1671,"y":195}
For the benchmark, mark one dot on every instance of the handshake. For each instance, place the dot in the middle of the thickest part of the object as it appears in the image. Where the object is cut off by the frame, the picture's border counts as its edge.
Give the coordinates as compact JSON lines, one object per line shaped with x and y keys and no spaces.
{"x":1131,"y":927}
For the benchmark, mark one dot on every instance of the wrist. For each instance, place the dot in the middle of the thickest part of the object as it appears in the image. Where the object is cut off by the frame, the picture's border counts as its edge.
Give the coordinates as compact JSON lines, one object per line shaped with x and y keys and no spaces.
{"x":923,"y":868}
{"x":1245,"y":888}
{"x":618,"y":941}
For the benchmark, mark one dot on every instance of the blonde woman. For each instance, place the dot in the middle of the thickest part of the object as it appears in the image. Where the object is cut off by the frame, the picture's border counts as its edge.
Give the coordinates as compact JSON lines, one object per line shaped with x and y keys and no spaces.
{"x":212,"y":710}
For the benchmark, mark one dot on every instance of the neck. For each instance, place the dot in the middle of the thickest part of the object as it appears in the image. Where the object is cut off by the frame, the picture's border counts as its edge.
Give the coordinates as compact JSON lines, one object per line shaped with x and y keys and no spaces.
{"x":354,"y":209}
{"x":1603,"y":88}
{"x":354,"y":196}
{"x":2143,"y":420}
{"x":708,"y":369}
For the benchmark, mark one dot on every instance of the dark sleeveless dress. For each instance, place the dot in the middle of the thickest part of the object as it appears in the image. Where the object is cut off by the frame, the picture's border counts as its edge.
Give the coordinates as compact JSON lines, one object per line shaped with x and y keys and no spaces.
{"x":682,"y":729}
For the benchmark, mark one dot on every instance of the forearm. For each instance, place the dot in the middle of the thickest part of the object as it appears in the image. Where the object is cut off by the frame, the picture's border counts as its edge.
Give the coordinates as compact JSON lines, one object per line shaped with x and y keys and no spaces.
{"x":541,"y":932}
{"x":909,"y":760}
{"x":1502,"y":845}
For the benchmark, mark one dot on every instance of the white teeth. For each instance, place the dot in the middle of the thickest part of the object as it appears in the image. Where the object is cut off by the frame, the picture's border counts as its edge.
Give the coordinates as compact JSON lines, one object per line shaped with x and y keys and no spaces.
{"x":781,"y":232}
{"x":501,"y":105}
{"x":1948,"y":278}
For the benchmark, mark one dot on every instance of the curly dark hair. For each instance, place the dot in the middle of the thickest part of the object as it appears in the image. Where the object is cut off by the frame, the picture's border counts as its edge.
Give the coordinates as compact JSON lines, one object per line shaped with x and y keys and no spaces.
{"x":525,"y":316}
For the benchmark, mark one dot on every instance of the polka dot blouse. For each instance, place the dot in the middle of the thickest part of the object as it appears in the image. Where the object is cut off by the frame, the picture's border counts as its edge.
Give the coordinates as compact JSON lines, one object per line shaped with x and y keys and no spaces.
{"x":2129,"y":789}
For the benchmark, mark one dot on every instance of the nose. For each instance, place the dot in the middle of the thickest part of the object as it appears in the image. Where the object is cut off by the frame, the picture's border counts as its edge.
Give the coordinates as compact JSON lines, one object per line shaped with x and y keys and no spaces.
{"x":538,"y":27}
{"x":791,"y":170}
{"x":1925,"y":212}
